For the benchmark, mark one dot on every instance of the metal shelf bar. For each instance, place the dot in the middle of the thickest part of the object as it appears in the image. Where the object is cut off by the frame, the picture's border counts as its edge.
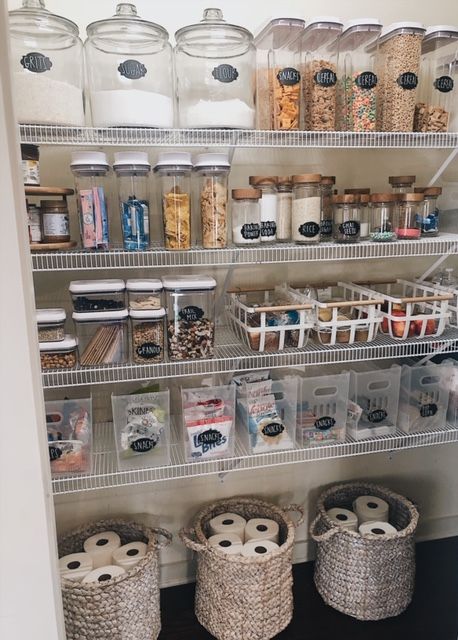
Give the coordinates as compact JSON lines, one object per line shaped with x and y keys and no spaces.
{"x":106,"y":475}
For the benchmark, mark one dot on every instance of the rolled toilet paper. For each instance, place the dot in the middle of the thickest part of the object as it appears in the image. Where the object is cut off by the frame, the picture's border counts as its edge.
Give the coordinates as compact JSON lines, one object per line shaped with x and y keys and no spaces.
{"x":344,"y":518}
{"x":229,"y":543}
{"x":262,"y":529}
{"x":370,"y":508}
{"x":103,"y":574}
{"x":377,"y":528}
{"x":101,"y":546}
{"x":129,"y":555}
{"x":228,"y":523}
{"x":75,"y":566}
{"x":258,"y":548}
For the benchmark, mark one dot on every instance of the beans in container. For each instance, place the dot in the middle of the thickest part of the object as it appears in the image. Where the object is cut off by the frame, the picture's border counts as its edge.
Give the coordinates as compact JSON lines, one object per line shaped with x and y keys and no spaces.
{"x":59,"y":355}
{"x":145,"y":293}
{"x":147,"y":335}
{"x":50,"y":324}
{"x":98,"y":295}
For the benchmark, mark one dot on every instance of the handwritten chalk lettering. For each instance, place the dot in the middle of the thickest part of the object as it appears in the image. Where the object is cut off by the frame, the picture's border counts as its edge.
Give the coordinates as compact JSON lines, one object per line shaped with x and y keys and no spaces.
{"x":268,"y":228}
{"x":326,"y":227}
{"x":225,"y":73}
{"x":309,"y":229}
{"x":142,"y":445}
{"x":428,"y":410}
{"x":366,"y":80}
{"x":288,"y":76}
{"x":349,"y":228}
{"x":132,"y":69}
{"x":251,"y":231}
{"x":377,"y":415}
{"x":324,"y":423}
{"x":191,"y":313}
{"x":273,"y":429}
{"x":408,"y":80}
{"x":444,"y":84}
{"x":36,"y":62}
{"x":54,"y":453}
{"x":148,"y":350}
{"x":325,"y":78}
{"x":208,"y":440}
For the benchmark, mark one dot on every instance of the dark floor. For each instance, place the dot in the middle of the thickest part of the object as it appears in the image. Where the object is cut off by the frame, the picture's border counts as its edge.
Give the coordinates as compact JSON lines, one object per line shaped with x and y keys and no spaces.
{"x":433,"y":614}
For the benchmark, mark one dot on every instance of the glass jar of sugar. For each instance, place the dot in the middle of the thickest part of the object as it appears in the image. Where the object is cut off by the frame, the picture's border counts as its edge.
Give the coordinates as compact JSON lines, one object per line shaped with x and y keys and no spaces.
{"x":306,"y":208}
{"x":246,"y":216}
{"x":128,"y":62}
{"x":47,"y":66}
{"x":267,"y":185}
{"x":215,"y":64}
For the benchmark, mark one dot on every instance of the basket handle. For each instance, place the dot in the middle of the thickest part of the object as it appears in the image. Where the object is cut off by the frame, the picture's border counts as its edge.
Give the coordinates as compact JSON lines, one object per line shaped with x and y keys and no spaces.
{"x":295,"y":508}
{"x":188,"y":539}
{"x":321,"y":537}
{"x":161,"y":544}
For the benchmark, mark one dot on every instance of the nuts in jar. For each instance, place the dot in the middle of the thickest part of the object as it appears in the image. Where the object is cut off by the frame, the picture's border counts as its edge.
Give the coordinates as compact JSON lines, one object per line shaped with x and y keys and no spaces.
{"x":59,"y":355}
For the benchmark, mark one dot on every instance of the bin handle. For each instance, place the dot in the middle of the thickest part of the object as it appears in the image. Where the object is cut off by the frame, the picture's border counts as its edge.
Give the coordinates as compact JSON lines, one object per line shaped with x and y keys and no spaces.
{"x":161,"y":544}
{"x":322,"y":537}
{"x":295,"y":508}
{"x":188,"y":538}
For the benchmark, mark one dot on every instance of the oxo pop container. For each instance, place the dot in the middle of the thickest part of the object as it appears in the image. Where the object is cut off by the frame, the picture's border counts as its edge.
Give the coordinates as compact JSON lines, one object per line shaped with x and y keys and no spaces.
{"x":51,"y":325}
{"x":174,"y":177}
{"x":102,"y":337}
{"x":213,"y":170}
{"x":144,"y":293}
{"x":147,"y":334}
{"x":59,"y":355}
{"x":97,"y":295}
{"x":132,"y":171}
{"x":190,"y":302}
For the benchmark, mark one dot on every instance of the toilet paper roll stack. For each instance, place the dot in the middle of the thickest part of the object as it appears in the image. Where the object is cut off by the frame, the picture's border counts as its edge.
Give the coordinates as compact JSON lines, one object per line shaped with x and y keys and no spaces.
{"x":258,"y":548}
{"x":101,"y":547}
{"x":377,"y":528}
{"x":233,"y":535}
{"x":344,"y":518}
{"x":228,"y":523}
{"x":129,"y":555}
{"x":229,"y":543}
{"x":75,"y":566}
{"x":262,"y":529}
{"x":371,"y":509}
{"x":103,"y":574}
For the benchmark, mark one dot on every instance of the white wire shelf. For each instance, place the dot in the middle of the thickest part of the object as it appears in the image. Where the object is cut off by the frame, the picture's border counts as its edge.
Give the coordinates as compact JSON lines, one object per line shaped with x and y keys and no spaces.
{"x":117,"y":258}
{"x":231,"y":355}
{"x":105,"y":472}
{"x":137,"y":136}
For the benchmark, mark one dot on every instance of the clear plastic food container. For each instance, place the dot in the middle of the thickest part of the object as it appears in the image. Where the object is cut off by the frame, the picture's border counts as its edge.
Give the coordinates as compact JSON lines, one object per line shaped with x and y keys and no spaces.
{"x":278,"y":93}
{"x":144,"y":293}
{"x":98,"y":295}
{"x":51,"y":325}
{"x":59,"y":355}
{"x":102,"y":337}
{"x":174,"y":172}
{"x":215,"y":64}
{"x":190,"y":316}
{"x":147,"y":335}
{"x":128,"y":62}
{"x":213,"y":171}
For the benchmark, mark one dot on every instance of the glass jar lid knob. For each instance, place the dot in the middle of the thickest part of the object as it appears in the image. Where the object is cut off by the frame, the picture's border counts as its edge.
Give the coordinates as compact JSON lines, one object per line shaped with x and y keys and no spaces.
{"x":126,"y":9}
{"x":213,"y":15}
{"x":33,"y":4}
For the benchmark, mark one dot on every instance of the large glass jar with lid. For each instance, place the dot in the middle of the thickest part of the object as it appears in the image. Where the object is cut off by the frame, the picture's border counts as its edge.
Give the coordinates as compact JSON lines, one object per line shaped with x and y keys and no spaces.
{"x":47,"y":66}
{"x":306,"y":208}
{"x":215,"y":74}
{"x":128,"y":62}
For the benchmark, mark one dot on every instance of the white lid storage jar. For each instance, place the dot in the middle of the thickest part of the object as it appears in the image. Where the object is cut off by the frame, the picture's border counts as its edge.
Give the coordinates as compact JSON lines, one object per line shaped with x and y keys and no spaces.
{"x":102,"y":337}
{"x":97,"y":295}
{"x":50,"y":324}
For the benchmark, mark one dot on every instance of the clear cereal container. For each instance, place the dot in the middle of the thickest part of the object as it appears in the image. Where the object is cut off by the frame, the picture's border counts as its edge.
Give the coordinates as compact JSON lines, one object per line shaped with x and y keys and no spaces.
{"x":190,"y":316}
{"x":51,"y":325}
{"x":144,"y":293}
{"x":147,"y":335}
{"x":102,"y":337}
{"x":98,"y":295}
{"x":212,"y":170}
{"x":174,"y":184}
{"x":318,"y":55}
{"x":59,"y":355}
{"x":397,"y":72}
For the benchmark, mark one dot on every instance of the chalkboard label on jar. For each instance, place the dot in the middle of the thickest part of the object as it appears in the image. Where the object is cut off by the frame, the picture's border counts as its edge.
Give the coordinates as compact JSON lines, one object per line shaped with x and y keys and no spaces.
{"x":288,"y":76}
{"x":366,"y":80}
{"x":309,"y":229}
{"x":251,"y":231}
{"x":148,"y":350}
{"x":54,"y":453}
{"x":268,"y":228}
{"x":325,"y":78}
{"x":36,"y":62}
{"x":143,"y":445}
{"x":324,"y":423}
{"x":326,"y":227}
{"x":209,"y":439}
{"x":191,"y":313}
{"x":444,"y":84}
{"x":377,"y":415}
{"x":273,"y":429}
{"x":132,"y":69}
{"x":428,"y":410}
{"x":225,"y":73}
{"x":408,"y":80}
{"x":349,"y":228}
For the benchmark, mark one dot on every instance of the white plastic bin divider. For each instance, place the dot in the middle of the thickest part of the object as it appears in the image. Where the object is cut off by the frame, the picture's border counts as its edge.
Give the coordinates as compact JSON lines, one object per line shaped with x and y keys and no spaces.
{"x":376,"y":392}
{"x":425,"y":306}
{"x":423,"y":399}
{"x":322,"y":409}
{"x":141,"y":425}
{"x":208,"y":426}
{"x":70,"y":437}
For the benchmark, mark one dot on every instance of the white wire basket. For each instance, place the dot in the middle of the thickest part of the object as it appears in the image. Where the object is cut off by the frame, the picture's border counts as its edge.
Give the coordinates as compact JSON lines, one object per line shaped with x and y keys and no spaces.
{"x":264,"y":322}
{"x":452,"y":303}
{"x":411,"y":309}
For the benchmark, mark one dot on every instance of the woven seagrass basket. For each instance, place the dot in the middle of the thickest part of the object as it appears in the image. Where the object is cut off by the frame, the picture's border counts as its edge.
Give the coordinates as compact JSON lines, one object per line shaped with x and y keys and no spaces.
{"x":369,"y":577}
{"x":124,"y":607}
{"x":240,"y":598}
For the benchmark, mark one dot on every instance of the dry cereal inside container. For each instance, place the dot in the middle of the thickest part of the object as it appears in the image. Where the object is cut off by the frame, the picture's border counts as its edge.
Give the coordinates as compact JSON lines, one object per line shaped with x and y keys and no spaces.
{"x":174,"y":172}
{"x":102,"y":337}
{"x":98,"y":295}
{"x":147,"y":335}
{"x":213,"y":171}
{"x":144,"y":293}
{"x":190,"y":316}
{"x":59,"y":355}
{"x":278,"y":93}
{"x":318,"y":54}
{"x":51,"y":324}
{"x":397,"y":72}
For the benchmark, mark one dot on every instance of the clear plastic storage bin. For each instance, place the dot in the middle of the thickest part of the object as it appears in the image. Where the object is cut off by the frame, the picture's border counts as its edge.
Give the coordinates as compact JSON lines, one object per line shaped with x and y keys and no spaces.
{"x":98,"y":295}
{"x":132,"y":171}
{"x":208,"y":422}
{"x":141,"y":425}
{"x":144,"y":293}
{"x":59,"y":355}
{"x":212,"y":170}
{"x":147,"y":335}
{"x":190,"y":303}
{"x":174,"y":176}
{"x":423,"y":400}
{"x":322,"y":409}
{"x":51,"y":323}
{"x":69,"y":430}
{"x":376,"y":394}
{"x":129,"y":62}
{"x":102,"y":337}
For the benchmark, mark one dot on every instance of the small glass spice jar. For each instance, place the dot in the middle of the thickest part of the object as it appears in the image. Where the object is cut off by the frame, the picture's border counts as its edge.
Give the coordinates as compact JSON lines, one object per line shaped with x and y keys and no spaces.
{"x":382,"y":217}
{"x":306,"y":209}
{"x":402,"y":184}
{"x":55,"y":221}
{"x":327,"y":187}
{"x":268,"y":205}
{"x":347,"y":218}
{"x":409,"y":214}
{"x":213,"y":170}
{"x":284,"y":207}
{"x":147,"y":335}
{"x":246,"y":216}
{"x":430,"y":213}
{"x":174,"y":172}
